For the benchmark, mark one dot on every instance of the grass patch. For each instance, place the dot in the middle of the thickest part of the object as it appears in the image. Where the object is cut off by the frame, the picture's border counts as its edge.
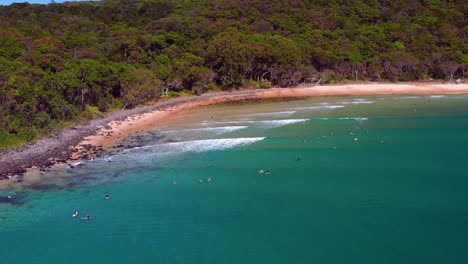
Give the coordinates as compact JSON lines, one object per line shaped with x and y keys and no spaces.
{"x":9,"y":141}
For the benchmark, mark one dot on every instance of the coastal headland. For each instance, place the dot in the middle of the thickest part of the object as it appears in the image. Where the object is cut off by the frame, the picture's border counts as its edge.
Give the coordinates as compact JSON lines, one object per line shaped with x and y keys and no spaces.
{"x":97,"y":136}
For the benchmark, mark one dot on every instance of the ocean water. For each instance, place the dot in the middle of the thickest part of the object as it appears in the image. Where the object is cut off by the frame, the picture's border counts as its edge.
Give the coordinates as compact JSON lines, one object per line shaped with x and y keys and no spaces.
{"x":375,"y":179}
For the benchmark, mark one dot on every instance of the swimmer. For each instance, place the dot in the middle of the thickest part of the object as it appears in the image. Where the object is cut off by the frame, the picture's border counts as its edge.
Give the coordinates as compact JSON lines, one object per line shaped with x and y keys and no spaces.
{"x":298,"y":159}
{"x":268,"y":172}
{"x":75,"y":214}
{"x":107,"y":197}
{"x":87,"y":218}
{"x":209,"y":179}
{"x":200,"y":180}
{"x":261,"y":171}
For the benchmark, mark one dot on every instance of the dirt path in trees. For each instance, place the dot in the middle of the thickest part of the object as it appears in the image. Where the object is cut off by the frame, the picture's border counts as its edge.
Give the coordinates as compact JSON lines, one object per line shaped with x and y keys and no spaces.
{"x":94,"y":138}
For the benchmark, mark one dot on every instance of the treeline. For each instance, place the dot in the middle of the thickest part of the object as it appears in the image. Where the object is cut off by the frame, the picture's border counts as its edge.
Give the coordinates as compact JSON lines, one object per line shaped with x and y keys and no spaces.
{"x":62,"y":62}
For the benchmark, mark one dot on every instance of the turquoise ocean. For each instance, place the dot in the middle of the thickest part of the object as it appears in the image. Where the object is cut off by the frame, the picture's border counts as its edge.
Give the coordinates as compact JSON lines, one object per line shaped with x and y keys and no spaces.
{"x":369,"y":179}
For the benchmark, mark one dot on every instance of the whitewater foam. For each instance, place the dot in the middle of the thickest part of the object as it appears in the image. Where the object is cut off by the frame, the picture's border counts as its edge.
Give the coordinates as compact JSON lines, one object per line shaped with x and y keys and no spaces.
{"x":263,"y":123}
{"x":359,"y":119}
{"x":284,"y":113}
{"x":210,"y":144}
{"x":325,"y":107}
{"x":357,"y":102}
{"x":275,"y":123}
{"x":196,"y":145}
{"x":215,"y":130}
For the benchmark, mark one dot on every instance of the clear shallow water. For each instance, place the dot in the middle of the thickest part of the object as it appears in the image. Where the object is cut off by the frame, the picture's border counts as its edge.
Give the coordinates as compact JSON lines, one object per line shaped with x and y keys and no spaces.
{"x":403,"y":200}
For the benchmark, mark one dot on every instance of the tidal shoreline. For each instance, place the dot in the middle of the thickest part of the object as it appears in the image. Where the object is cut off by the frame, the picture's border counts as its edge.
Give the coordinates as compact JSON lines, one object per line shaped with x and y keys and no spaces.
{"x":96,"y":137}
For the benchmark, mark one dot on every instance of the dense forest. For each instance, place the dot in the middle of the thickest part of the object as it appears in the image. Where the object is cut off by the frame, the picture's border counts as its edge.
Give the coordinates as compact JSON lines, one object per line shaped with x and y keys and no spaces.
{"x":60,"y":63}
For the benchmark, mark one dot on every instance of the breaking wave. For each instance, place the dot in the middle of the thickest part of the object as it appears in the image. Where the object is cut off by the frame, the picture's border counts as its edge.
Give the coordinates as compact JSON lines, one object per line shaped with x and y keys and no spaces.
{"x":263,"y":123}
{"x":196,"y":145}
{"x":216,"y":130}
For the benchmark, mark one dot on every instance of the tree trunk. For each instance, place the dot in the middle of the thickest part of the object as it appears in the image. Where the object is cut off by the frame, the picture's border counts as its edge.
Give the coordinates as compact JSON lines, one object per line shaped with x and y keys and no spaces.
{"x":82,"y":99}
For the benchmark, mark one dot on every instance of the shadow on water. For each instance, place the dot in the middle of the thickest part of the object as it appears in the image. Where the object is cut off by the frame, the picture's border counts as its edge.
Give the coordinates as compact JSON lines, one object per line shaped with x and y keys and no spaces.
{"x":141,"y":139}
{"x":12,"y":198}
{"x":77,"y":179}
{"x":68,"y":183}
{"x":8,"y":200}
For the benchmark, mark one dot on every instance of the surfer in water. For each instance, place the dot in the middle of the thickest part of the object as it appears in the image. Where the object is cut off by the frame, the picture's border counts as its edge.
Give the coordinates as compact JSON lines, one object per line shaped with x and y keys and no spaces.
{"x":107,"y":197}
{"x":75,"y":214}
{"x":87,"y":218}
{"x":209,"y":179}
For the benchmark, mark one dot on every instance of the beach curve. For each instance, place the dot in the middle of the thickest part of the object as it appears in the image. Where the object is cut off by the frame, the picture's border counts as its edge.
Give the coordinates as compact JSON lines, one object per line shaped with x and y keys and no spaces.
{"x":96,"y":137}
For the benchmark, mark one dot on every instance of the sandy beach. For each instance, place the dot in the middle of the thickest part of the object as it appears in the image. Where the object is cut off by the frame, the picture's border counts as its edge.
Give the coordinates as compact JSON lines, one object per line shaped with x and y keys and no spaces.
{"x":97,"y":136}
{"x":117,"y":130}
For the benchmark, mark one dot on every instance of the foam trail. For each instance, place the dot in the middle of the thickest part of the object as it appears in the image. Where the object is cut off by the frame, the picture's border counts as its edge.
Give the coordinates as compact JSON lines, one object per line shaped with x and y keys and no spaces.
{"x":357,"y":102}
{"x":276,"y":123}
{"x":216,"y":130}
{"x":197,"y":145}
{"x":359,"y":119}
{"x":263,"y":123}
{"x":284,"y":113}
{"x":212,"y":144}
{"x":318,"y":107}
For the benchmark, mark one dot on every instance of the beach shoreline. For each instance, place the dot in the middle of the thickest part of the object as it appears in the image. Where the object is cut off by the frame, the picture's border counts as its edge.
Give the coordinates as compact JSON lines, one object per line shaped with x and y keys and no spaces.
{"x":98,"y":136}
{"x":118,"y":130}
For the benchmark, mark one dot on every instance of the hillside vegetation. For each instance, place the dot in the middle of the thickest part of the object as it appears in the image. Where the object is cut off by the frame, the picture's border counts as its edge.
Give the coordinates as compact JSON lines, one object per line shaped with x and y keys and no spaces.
{"x":71,"y":61}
